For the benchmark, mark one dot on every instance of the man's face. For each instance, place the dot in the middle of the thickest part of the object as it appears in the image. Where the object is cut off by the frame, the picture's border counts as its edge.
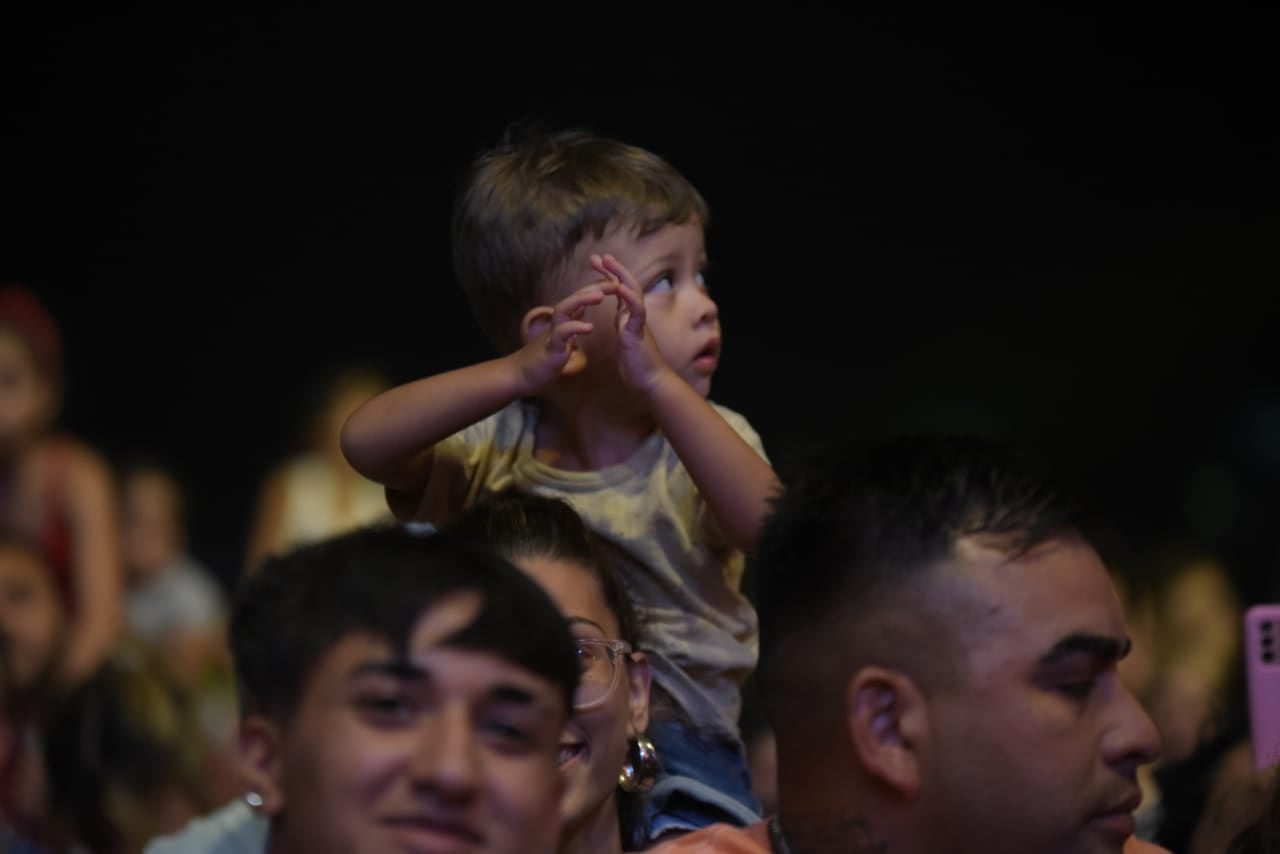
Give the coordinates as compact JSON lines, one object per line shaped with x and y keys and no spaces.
{"x":444,"y":750}
{"x":1036,"y":745}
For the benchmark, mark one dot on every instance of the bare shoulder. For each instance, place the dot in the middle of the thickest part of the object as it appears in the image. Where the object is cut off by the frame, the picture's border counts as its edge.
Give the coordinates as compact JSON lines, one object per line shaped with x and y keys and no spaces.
{"x":76,"y":462}
{"x":87,"y":468}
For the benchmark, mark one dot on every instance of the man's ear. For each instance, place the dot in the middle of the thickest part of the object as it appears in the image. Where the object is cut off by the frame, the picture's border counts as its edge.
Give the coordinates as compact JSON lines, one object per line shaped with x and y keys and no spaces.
{"x":536,"y":323}
{"x":260,"y":766}
{"x":888,"y":724}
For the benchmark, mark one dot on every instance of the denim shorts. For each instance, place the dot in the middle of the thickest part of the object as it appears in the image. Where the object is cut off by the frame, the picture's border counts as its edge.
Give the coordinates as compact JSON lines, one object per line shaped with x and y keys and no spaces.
{"x":705,"y":780}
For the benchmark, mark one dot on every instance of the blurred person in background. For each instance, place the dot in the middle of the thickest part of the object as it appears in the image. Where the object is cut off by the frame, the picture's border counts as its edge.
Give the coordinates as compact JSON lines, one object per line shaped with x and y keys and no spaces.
{"x":1197,"y":694}
{"x":176,"y":608}
{"x":56,"y":491}
{"x":315,"y":493}
{"x":101,"y":765}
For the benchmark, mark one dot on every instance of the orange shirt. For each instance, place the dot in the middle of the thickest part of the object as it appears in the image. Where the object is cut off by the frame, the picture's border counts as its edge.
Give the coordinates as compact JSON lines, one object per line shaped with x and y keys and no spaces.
{"x":725,"y":839}
{"x":719,"y":839}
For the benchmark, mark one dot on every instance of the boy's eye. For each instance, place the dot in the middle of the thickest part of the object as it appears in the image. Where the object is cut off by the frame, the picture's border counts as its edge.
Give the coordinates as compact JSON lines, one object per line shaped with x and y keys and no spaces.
{"x":661,"y":285}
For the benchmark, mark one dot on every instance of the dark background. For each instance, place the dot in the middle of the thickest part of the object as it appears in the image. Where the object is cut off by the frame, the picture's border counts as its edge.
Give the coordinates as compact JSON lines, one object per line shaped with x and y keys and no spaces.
{"x":1047,"y":226}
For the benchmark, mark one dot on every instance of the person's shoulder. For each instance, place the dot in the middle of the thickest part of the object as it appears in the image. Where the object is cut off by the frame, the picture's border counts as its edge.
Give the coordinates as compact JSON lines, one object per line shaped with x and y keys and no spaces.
{"x":506,"y":425}
{"x":741,"y":426}
{"x":194,"y":583}
{"x":726,"y":412}
{"x":719,"y":839}
{"x":73,"y":458}
{"x":735,"y":418}
{"x":233,"y":829}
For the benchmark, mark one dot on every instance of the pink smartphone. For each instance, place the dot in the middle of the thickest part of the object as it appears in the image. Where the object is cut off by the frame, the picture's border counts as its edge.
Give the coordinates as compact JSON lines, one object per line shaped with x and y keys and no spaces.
{"x":1262,"y":670}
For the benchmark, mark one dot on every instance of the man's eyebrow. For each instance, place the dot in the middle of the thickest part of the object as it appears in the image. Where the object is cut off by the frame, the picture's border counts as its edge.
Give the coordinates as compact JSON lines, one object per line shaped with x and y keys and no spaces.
{"x":1102,"y":647}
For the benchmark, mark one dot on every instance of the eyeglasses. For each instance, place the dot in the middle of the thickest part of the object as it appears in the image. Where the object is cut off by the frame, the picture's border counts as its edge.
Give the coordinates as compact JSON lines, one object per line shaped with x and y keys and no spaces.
{"x":598,"y":660}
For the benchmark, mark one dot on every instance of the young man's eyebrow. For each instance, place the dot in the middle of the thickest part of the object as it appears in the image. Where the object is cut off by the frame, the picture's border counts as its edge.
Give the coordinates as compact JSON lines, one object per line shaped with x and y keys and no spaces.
{"x":396,"y":668}
{"x":1101,"y":647}
{"x":520,"y":698}
{"x":504,"y":693}
{"x":512,"y":694}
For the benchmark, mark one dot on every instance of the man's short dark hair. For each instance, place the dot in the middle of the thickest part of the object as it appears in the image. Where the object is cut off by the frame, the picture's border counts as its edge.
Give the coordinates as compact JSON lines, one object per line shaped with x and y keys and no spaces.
{"x":863,"y":519}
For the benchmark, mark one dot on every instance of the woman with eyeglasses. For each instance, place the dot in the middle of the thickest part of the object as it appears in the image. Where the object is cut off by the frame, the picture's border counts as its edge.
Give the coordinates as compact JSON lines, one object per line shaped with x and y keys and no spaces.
{"x":605,"y":759}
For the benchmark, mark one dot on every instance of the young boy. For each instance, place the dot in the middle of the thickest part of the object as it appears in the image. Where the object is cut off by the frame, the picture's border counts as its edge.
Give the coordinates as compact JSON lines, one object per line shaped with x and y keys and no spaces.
{"x":583,"y":260}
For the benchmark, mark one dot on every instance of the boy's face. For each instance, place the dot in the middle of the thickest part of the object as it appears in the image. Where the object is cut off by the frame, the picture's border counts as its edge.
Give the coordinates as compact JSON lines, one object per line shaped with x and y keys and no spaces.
{"x":668,"y":264}
{"x":440,"y":749}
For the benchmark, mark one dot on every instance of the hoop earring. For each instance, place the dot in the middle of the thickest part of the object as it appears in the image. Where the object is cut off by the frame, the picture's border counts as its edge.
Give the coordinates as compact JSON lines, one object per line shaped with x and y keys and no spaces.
{"x":641,"y":767}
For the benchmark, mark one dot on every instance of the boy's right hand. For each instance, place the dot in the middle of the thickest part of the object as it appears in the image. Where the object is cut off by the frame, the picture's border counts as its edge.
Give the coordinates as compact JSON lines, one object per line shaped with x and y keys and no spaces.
{"x":553,"y":353}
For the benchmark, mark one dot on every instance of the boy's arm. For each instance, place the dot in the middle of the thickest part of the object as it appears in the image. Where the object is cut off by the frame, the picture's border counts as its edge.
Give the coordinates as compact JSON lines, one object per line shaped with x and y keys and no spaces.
{"x":736,"y":482}
{"x":390,"y":438}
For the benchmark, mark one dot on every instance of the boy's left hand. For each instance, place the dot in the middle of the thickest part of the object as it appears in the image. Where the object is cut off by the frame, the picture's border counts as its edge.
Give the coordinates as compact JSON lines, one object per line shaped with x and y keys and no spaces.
{"x":639,"y":360}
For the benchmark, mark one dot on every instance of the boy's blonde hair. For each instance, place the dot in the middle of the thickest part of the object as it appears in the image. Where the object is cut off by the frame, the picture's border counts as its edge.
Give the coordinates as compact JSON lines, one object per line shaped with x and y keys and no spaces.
{"x":526,"y":204}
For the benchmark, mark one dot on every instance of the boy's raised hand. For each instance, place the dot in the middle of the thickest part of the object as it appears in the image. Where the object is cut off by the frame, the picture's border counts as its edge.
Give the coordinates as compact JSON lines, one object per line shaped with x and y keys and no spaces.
{"x":552,"y":353}
{"x":639,"y":359}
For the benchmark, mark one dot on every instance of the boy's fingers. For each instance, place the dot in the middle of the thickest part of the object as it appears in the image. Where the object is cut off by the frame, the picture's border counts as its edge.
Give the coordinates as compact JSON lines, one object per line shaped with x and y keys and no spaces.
{"x":575,"y":302}
{"x":564,"y":332}
{"x":633,"y":300}
{"x":616,"y":271}
{"x":601,"y":266}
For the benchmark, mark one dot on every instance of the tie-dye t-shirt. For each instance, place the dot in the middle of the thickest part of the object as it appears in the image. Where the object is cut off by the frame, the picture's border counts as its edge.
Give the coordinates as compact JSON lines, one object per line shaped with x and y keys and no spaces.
{"x":683,"y":575}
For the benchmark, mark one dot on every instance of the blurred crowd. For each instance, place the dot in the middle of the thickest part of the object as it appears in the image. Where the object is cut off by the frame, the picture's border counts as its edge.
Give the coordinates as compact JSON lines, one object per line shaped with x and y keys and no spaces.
{"x":117,"y":702}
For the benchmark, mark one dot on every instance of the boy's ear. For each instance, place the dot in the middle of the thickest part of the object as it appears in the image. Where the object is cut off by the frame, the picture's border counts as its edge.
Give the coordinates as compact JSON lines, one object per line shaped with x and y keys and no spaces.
{"x":535,"y":323}
{"x":258,"y":751}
